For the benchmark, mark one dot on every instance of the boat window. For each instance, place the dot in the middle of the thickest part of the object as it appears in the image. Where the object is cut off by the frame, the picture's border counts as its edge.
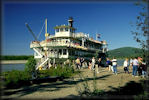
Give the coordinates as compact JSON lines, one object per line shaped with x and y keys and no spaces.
{"x":60,"y":51}
{"x":70,"y":52}
{"x":57,"y":30}
{"x":61,"y":29}
{"x":66,"y":29}
{"x":64,"y":51}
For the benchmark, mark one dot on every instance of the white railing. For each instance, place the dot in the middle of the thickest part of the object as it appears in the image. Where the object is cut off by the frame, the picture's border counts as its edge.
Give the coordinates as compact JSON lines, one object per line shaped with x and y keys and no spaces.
{"x":69,"y":44}
{"x":51,"y":36}
{"x":32,"y":45}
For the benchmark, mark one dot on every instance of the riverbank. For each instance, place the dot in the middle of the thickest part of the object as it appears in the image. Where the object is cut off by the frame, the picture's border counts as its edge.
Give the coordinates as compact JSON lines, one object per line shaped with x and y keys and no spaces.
{"x":69,"y":87}
{"x":13,"y":61}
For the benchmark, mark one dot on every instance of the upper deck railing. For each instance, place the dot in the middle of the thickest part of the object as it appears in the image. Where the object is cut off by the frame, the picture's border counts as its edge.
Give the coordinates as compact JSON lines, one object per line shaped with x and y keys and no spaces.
{"x":56,"y":44}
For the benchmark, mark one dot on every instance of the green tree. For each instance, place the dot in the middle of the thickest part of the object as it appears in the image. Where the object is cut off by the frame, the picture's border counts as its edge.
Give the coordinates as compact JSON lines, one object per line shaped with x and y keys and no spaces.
{"x":30,"y":66}
{"x":141,"y":32}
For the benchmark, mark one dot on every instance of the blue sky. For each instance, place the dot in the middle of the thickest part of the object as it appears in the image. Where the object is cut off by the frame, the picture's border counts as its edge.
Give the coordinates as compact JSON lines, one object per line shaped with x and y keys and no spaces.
{"x":112,"y":20}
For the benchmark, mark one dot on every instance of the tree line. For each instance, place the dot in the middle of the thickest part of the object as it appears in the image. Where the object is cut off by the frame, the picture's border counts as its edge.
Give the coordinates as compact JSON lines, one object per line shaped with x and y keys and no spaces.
{"x":13,"y":57}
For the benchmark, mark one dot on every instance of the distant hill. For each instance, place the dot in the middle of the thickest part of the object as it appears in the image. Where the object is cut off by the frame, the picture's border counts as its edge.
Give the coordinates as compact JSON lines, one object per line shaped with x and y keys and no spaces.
{"x":125,"y":52}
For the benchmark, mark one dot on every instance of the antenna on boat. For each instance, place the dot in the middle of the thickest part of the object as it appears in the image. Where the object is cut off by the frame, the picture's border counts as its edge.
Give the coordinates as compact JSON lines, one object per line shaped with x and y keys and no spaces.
{"x":46,"y":33}
{"x":46,"y":25}
{"x":46,"y":37}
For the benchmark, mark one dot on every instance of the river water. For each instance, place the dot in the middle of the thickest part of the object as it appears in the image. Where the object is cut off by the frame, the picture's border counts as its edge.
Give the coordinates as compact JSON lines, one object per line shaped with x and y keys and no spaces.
{"x":9,"y":67}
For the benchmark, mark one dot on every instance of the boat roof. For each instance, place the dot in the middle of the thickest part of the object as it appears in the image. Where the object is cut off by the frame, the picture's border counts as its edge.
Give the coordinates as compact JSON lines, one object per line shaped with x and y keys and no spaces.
{"x":64,"y":26}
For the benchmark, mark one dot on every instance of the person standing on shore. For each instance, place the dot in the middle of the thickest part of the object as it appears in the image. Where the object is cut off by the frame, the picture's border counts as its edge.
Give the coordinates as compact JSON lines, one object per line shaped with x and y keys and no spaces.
{"x":82,"y":61}
{"x":90,"y":65}
{"x":131,"y":63}
{"x":140,"y":66}
{"x":114,"y":63}
{"x":99,"y":64}
{"x":93,"y":63}
{"x":135,"y":66}
{"x":126,"y":64}
{"x":109,"y":63}
{"x":78,"y":63}
{"x":144,"y":69}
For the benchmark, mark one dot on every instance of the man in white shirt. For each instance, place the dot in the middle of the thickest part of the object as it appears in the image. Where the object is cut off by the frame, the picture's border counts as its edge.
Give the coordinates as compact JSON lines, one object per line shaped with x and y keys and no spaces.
{"x":114,"y":63}
{"x":126,"y":64}
{"x":135,"y":67}
{"x":93,"y":63}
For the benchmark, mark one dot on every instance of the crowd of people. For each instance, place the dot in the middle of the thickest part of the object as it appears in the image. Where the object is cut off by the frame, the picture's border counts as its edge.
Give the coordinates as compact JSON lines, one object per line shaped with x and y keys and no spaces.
{"x":137,"y":64}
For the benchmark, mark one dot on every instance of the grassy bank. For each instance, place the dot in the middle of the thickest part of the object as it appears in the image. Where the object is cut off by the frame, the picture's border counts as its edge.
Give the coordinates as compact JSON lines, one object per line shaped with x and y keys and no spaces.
{"x":16,"y":78}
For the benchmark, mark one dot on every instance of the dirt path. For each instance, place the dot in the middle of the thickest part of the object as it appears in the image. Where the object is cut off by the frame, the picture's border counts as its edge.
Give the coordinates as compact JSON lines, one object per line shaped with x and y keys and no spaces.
{"x":67,"y":88}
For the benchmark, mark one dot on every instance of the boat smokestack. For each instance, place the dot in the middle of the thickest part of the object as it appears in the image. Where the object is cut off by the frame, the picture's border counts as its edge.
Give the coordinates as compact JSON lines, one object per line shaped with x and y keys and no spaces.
{"x":70,"y":22}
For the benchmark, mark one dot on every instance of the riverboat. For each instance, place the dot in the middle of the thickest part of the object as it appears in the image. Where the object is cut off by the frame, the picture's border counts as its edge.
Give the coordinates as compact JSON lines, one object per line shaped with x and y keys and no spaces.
{"x":65,"y":44}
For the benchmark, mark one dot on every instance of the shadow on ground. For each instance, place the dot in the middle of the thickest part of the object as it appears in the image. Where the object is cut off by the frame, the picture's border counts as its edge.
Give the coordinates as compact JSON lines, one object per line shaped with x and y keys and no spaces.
{"x":131,"y":90}
{"x":47,"y":85}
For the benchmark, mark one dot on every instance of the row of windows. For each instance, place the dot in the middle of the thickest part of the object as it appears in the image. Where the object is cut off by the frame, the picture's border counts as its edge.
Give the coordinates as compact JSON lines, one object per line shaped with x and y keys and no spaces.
{"x":64,"y":51}
{"x":79,"y":53}
{"x":63,"y":30}
{"x":59,"y":51}
{"x":72,"y":52}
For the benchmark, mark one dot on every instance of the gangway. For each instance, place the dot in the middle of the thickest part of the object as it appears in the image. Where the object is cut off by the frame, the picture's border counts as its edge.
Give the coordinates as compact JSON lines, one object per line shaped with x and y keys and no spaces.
{"x":38,"y":52}
{"x":42,"y":63}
